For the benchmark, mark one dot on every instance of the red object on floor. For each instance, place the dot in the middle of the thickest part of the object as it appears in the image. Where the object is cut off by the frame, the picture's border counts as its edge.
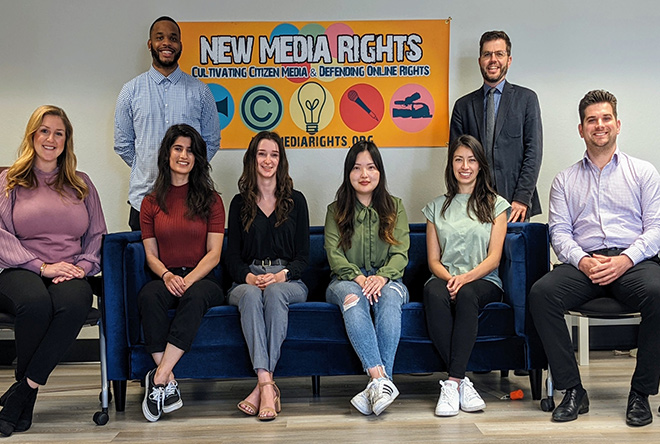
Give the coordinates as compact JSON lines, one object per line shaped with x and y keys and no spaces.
{"x":517,"y":394}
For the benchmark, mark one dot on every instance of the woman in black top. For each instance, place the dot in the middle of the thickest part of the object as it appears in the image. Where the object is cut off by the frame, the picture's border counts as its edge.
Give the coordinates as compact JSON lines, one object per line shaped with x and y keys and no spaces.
{"x":267,"y":251}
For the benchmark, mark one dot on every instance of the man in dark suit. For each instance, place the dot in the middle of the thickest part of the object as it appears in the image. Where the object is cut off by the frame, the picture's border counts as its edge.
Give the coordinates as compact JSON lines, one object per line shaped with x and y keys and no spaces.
{"x":513,"y":139}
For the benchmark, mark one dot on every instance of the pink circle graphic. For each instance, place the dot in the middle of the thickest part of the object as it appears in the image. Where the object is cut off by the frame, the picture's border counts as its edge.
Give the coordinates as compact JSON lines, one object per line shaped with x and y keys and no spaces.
{"x":334,"y":30}
{"x":412,"y":107}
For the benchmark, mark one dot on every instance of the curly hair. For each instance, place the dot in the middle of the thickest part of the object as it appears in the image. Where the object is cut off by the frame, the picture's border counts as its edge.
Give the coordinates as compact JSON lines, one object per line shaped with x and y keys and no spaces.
{"x":249,"y":190}
{"x":201,"y":192}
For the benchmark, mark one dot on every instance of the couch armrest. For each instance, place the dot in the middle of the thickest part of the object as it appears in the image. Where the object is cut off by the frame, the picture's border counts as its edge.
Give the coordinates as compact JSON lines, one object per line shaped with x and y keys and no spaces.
{"x":112,"y":306}
{"x":525,"y":259}
{"x":136,"y":275}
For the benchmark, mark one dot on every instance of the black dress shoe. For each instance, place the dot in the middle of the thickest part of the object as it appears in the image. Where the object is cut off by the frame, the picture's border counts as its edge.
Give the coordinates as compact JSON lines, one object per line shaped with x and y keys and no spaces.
{"x":575,"y":402}
{"x":638,"y":412}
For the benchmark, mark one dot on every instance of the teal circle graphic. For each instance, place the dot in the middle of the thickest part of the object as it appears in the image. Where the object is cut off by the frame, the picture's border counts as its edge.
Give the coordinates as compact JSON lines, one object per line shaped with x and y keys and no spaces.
{"x":261,"y":108}
{"x":224,"y":104}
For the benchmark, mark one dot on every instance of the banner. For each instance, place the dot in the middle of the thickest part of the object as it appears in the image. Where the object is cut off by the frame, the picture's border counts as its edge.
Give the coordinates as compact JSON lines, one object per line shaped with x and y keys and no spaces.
{"x":325,"y":84}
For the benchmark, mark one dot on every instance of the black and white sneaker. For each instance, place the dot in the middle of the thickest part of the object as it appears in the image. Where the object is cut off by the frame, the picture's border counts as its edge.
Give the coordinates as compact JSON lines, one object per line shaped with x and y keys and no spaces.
{"x":173,"y":399}
{"x":154,"y":395}
{"x":385,"y":392}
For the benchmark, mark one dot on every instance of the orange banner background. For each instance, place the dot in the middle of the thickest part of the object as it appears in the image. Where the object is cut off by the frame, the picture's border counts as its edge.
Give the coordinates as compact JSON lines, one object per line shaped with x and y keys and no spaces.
{"x":325,"y":84}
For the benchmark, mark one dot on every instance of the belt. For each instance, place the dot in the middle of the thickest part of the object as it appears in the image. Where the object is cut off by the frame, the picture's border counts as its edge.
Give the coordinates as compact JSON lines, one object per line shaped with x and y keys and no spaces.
{"x":268,"y":261}
{"x":614,"y":251}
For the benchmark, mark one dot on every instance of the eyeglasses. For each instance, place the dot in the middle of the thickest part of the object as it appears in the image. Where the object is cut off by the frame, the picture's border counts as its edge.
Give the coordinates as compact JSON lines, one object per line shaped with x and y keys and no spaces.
{"x":497,"y":54}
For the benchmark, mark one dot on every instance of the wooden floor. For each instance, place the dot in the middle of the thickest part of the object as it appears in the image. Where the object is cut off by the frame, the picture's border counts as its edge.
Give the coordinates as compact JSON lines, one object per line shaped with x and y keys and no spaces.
{"x":66,"y":405}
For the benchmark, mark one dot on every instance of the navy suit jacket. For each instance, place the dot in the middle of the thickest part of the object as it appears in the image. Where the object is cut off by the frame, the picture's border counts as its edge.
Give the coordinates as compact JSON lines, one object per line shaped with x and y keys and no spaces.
{"x":518,"y":145}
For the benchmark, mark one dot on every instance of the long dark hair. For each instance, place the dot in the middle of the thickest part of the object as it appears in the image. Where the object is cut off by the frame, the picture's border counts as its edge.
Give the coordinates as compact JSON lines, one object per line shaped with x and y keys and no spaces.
{"x":482,"y":200}
{"x":381,"y":200}
{"x":201,"y":192}
{"x":247,"y":183}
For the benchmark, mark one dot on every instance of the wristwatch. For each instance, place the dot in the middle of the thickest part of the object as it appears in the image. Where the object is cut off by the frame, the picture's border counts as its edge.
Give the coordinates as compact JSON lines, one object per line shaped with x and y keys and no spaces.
{"x":287,"y":274}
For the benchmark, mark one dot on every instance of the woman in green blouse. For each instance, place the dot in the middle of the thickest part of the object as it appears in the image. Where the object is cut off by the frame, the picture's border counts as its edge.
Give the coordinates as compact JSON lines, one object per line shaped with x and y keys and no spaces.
{"x":367,"y":240}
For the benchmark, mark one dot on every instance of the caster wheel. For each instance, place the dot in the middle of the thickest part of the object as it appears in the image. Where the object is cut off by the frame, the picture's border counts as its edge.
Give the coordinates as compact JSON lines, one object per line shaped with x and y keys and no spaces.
{"x":547,"y":404}
{"x":101,"y":418}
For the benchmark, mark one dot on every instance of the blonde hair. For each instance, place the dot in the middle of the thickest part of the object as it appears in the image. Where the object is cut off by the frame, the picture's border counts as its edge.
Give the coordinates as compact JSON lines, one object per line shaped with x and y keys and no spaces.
{"x":21,"y":173}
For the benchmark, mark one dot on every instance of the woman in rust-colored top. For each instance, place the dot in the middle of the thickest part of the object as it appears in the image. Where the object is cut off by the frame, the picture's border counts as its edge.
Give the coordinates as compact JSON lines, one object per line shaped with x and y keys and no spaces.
{"x":183,"y":224}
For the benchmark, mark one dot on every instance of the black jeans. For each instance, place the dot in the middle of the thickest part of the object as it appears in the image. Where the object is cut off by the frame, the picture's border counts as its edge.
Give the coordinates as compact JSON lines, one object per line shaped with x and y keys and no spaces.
{"x":154,"y":301}
{"x":48,"y":318}
{"x":453,"y":325}
{"x":567,"y":287}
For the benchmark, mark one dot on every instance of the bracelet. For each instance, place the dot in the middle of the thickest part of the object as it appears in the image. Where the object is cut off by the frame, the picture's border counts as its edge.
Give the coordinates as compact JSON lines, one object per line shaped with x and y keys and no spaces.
{"x":42,"y":269}
{"x":164,"y":273}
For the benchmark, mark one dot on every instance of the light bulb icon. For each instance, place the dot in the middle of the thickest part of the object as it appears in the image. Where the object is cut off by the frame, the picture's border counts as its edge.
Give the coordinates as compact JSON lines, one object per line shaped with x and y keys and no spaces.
{"x":311,"y":98}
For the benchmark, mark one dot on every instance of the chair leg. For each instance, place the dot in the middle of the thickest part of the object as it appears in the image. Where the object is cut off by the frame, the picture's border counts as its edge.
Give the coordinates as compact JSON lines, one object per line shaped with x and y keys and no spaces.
{"x":535,"y":382}
{"x":101,"y":418}
{"x":583,"y":341}
{"x":105,"y":388}
{"x":504,"y":373}
{"x":316,"y":385}
{"x":119,"y":387}
{"x":548,"y":404}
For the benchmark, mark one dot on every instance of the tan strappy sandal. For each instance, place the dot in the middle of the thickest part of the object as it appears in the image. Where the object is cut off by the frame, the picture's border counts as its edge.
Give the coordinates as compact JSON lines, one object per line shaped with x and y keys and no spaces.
{"x":249,"y":405}
{"x":278,"y":407}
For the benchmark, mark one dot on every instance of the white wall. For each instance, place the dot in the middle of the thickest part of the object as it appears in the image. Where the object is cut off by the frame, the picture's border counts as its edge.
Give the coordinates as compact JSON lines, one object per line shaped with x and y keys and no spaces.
{"x":78,"y":53}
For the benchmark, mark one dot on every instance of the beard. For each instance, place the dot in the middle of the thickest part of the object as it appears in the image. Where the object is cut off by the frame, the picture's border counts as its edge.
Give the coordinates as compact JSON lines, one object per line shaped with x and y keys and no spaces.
{"x":494,"y":79}
{"x":165,"y":64}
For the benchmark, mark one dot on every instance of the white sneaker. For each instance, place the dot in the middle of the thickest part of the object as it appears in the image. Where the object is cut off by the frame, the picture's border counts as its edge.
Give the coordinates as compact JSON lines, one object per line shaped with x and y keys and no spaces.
{"x":469,"y":397}
{"x":172,"y":400}
{"x":362,"y":401}
{"x":384,"y":393}
{"x":448,"y":402}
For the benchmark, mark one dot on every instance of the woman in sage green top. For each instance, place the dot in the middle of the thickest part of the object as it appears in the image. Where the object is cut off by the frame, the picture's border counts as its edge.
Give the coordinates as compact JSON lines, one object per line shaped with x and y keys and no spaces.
{"x":367,"y":240}
{"x":465,"y":233}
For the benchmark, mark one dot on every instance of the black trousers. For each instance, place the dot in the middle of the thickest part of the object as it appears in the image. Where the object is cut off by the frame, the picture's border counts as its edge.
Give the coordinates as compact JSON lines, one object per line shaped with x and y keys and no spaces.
{"x":566,"y":287}
{"x":48,"y":318}
{"x":154,"y":301}
{"x":134,"y":219}
{"x":453,"y":325}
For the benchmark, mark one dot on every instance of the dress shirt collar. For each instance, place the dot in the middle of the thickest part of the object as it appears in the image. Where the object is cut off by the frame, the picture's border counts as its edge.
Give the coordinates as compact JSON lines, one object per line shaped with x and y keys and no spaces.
{"x":586,"y":161}
{"x":158,"y":77}
{"x":499,"y":87}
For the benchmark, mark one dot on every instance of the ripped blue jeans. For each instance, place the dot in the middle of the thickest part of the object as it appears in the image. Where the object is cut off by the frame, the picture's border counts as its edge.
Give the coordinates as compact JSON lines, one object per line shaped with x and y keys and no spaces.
{"x":375,"y":342}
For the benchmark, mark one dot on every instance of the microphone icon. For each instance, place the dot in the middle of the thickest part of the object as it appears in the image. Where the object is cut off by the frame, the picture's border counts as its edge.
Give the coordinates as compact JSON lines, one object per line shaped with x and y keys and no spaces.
{"x":354,"y":97}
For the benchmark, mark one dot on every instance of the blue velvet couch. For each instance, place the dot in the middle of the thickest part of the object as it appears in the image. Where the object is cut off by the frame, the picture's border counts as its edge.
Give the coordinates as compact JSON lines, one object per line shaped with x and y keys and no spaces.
{"x":316,"y":344}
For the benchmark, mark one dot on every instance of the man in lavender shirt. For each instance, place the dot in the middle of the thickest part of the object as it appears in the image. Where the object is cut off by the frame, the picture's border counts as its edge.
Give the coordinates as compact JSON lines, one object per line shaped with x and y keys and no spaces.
{"x":605,"y":229}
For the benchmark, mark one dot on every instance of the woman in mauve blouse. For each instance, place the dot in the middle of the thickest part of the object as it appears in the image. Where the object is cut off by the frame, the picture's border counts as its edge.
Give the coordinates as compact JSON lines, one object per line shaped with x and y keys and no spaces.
{"x":51,"y":224}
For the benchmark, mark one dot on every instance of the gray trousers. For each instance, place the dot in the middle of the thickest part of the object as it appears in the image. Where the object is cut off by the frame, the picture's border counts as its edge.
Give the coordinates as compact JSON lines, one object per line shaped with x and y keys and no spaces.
{"x":265,"y":315}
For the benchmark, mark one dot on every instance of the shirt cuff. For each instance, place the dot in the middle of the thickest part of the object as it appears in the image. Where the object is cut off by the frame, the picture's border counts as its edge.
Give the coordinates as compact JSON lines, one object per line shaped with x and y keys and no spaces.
{"x":575,"y":258}
{"x":85,"y":265}
{"x":34,"y":266}
{"x":635,"y":255}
